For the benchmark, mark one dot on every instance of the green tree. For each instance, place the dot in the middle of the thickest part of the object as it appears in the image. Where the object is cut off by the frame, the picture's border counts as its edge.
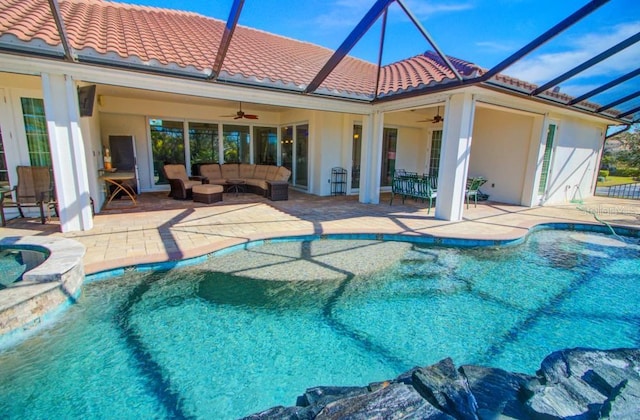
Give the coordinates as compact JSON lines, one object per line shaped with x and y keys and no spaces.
{"x":630,"y":155}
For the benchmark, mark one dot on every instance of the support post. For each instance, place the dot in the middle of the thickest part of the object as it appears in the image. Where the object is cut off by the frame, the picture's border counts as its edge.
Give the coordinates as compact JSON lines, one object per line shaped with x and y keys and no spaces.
{"x":67,"y":152}
{"x":454,"y":157}
{"x":371,"y":158}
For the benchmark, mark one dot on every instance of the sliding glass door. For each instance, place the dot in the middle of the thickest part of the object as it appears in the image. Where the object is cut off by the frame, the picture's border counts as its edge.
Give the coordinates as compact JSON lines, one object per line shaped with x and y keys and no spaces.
{"x":203,"y":143}
{"x":356,"y":153}
{"x":294,"y":148}
{"x":236,"y":140}
{"x":265,"y":145}
{"x":167,"y":146}
{"x":389,"y":142}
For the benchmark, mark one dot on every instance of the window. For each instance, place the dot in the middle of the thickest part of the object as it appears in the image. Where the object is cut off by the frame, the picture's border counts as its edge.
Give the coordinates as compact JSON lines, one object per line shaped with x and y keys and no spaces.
{"x":389,"y":142}
{"x":436,"y":148}
{"x":266,"y":145}
{"x":237,"y":143}
{"x":203,"y":143}
{"x":4,"y":175}
{"x":167,"y":145}
{"x":35,"y":126}
{"x":546,"y":162}
{"x":356,"y":153}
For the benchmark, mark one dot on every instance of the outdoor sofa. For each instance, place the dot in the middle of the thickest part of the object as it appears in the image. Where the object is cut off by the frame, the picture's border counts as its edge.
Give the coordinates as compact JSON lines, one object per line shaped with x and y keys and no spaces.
{"x":266,"y":180}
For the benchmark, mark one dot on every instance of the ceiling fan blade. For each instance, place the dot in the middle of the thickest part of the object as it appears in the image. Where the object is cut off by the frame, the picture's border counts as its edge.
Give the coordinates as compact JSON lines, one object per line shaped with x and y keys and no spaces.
{"x":240,"y":114}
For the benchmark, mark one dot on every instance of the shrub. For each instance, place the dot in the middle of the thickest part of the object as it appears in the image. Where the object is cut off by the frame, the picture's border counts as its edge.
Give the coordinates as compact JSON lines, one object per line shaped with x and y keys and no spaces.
{"x":603,"y":173}
{"x":627,"y":172}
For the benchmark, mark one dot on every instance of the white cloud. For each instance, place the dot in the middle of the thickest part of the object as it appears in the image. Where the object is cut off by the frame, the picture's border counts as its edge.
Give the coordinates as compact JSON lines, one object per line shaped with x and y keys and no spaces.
{"x":425,"y":10}
{"x":491,"y":46}
{"x":347,"y":13}
{"x":544,"y":67}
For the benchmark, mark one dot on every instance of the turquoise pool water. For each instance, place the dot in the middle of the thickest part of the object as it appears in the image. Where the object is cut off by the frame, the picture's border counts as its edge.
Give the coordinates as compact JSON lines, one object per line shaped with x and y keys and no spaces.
{"x":226,"y":338}
{"x":15,"y":262}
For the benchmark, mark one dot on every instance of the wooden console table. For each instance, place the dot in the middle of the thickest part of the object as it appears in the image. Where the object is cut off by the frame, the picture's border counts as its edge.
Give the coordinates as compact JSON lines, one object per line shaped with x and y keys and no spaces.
{"x":121,"y":181}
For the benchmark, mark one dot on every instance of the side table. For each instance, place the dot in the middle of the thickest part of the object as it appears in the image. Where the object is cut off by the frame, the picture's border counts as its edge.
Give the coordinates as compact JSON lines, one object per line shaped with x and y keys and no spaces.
{"x":277,"y":190}
{"x":236,"y":185}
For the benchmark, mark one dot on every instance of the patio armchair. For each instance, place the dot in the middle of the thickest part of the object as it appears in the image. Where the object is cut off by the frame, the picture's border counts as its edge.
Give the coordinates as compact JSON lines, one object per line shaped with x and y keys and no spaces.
{"x":181,"y":184}
{"x":473,"y":188}
{"x":34,"y":189}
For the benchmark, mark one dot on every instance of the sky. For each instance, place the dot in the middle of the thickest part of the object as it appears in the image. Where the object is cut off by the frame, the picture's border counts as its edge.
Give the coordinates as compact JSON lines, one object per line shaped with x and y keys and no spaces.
{"x":484,"y":32}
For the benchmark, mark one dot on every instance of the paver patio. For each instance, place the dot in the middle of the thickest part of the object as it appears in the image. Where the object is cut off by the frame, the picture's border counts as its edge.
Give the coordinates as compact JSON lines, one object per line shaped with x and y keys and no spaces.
{"x":161,"y":229}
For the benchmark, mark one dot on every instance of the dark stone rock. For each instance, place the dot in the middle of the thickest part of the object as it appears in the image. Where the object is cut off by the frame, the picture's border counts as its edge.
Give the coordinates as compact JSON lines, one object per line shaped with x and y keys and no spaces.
{"x":585,"y":383}
{"x":280,"y":413}
{"x":325,"y":394}
{"x":573,"y":384}
{"x":443,"y":386}
{"x":498,"y":392}
{"x":394,"y":401}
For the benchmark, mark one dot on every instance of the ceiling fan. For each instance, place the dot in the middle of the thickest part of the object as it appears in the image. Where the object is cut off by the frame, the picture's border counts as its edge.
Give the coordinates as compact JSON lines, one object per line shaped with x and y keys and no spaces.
{"x":436,"y":119}
{"x":240,"y":114}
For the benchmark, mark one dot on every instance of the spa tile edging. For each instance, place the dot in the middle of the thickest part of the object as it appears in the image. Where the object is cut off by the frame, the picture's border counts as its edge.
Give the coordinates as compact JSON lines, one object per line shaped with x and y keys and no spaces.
{"x":46,"y":289}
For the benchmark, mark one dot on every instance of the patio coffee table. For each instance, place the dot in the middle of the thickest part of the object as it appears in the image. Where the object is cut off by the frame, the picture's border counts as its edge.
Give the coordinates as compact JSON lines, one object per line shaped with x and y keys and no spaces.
{"x":236,"y":185}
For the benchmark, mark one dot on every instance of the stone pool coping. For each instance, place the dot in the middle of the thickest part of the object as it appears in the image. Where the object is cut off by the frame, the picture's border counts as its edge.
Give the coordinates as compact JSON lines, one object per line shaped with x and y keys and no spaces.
{"x":410,"y":238}
{"x":44,"y":289}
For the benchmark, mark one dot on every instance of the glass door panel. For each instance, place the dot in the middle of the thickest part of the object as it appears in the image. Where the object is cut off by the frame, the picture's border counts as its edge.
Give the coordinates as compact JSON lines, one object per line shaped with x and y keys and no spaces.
{"x":266,"y":145}
{"x":167,"y":146}
{"x":389,"y":142}
{"x":203,"y":143}
{"x":4,"y":174}
{"x":301,"y":176}
{"x":286,"y":147}
{"x":35,"y":126}
{"x":356,"y":153}
{"x":436,"y":147}
{"x":237,"y":143}
{"x":546,"y":162}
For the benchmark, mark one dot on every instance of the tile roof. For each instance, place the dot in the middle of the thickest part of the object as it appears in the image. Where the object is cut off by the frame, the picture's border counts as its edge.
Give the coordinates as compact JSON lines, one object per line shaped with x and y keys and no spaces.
{"x":178,"y":41}
{"x":187,"y":43}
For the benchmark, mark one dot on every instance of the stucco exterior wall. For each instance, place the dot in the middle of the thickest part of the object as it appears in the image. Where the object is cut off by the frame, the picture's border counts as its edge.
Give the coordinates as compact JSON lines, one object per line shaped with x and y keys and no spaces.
{"x":327,"y":151}
{"x":413,"y":142}
{"x":499,"y":152}
{"x":575,"y":158}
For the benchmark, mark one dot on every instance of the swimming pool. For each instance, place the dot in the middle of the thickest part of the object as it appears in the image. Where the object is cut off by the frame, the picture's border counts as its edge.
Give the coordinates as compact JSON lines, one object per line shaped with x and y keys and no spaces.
{"x":252,"y":329}
{"x":14,"y":262}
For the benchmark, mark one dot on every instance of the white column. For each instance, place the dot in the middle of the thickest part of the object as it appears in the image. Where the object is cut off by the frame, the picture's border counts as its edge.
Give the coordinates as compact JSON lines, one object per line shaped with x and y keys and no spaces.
{"x":454,"y":156}
{"x":67,"y":152}
{"x":371,"y":158}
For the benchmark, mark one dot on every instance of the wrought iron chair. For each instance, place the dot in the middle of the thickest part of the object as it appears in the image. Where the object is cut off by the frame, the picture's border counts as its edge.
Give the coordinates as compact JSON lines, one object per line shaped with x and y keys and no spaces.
{"x":34,"y":189}
{"x":473,"y":187}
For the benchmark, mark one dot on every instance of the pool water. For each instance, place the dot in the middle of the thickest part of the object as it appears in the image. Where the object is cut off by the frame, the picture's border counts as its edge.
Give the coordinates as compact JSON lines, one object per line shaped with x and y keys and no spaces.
{"x":15,"y":262}
{"x":226,"y":338}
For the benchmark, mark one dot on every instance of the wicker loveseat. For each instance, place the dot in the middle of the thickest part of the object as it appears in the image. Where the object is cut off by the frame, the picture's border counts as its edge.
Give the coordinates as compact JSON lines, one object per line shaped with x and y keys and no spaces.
{"x":257,"y":178}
